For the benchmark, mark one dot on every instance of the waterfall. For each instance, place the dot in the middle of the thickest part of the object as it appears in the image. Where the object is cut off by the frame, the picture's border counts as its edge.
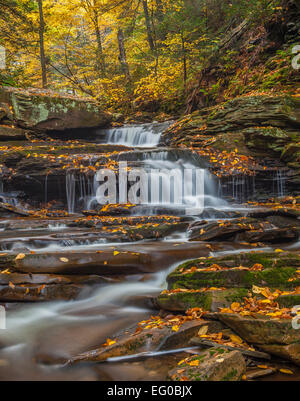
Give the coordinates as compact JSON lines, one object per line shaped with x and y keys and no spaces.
{"x":280,"y":182}
{"x":71,"y":192}
{"x":144,"y":135}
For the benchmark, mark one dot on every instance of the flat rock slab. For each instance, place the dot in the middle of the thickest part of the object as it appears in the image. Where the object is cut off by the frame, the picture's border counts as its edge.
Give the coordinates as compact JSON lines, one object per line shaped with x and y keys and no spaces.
{"x":12,"y":134}
{"x":121,"y":259}
{"x":261,"y":330}
{"x":276,"y":337}
{"x":156,"y":339}
{"x":16,"y":287}
{"x":215,"y":364}
{"x":207,"y":343}
{"x":244,"y":230}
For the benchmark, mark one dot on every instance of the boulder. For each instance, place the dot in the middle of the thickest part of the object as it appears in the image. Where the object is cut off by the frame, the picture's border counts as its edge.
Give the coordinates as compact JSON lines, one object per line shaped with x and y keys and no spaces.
{"x":274,"y":336}
{"x":214,"y":364}
{"x":49,"y":111}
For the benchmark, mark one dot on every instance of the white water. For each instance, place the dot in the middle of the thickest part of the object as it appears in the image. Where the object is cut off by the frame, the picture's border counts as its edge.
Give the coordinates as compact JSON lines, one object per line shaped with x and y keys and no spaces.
{"x":143,"y":135}
{"x":25,"y":324}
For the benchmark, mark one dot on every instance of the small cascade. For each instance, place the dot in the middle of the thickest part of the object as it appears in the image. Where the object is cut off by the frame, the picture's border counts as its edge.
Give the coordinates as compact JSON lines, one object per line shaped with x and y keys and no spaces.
{"x":144,"y":135}
{"x":8,"y":197}
{"x":46,"y":189}
{"x":279,"y":183}
{"x":71,"y":192}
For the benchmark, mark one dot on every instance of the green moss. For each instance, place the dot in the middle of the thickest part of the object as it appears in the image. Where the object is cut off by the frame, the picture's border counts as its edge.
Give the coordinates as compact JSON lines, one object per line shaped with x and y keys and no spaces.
{"x":230,"y":375}
{"x":272,"y":277}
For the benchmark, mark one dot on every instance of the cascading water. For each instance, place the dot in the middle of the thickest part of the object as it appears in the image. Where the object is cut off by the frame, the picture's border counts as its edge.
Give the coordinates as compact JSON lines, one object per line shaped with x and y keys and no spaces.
{"x":71,"y":192}
{"x":102,"y":310}
{"x":279,"y":183}
{"x":143,"y":135}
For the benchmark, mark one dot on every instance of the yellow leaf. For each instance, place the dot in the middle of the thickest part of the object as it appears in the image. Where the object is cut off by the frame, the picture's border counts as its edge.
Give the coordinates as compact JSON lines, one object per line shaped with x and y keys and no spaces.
{"x":175,"y":328}
{"x":278,"y":250}
{"x":286,"y":371}
{"x":194,"y":363}
{"x":203,"y":330}
{"x":116,"y":253}
{"x":235,"y":339}
{"x":235,"y":306}
{"x":20,"y":256}
{"x":257,"y":290}
{"x":262,"y":366}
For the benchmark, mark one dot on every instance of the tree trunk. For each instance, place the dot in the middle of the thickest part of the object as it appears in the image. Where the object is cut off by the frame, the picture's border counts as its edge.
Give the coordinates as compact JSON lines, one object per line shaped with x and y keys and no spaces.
{"x":184,"y":60}
{"x":42,"y":44}
{"x":122,"y":55}
{"x":100,"y":55}
{"x":148,"y":25}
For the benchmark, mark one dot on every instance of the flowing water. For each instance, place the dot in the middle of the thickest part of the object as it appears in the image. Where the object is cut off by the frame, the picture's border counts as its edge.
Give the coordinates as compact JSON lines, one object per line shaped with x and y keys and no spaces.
{"x":144,"y":135}
{"x":40,"y":337}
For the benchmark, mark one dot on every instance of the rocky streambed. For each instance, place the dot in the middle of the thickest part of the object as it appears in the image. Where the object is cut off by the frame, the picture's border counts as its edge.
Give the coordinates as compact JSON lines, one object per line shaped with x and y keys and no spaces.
{"x":201,"y":289}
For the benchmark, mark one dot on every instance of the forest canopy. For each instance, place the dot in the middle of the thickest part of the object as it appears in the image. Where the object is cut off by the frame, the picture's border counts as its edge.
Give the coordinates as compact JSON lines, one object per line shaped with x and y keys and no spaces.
{"x":118,"y":51}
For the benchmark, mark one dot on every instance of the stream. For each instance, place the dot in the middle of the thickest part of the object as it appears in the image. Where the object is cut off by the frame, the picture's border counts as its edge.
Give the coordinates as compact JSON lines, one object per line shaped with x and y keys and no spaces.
{"x":40,"y":336}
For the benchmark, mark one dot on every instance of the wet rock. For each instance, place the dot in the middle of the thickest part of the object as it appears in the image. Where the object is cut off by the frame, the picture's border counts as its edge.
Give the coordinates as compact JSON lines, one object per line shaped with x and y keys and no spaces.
{"x":11,"y":134}
{"x":45,"y":110}
{"x":215,"y":364}
{"x":244,"y":230}
{"x":290,"y":352}
{"x":276,"y":337}
{"x":154,"y":339}
{"x":205,"y":231}
{"x":252,"y":374}
{"x":16,"y":287}
{"x":275,"y":235}
{"x":203,"y":343}
{"x":8,"y":210}
{"x":210,"y":300}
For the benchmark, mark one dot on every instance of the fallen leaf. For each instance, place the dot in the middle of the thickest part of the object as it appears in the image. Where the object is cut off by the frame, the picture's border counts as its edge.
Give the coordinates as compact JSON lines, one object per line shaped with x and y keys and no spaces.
{"x":20,"y":256}
{"x":203,"y":330}
{"x":286,"y":371}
